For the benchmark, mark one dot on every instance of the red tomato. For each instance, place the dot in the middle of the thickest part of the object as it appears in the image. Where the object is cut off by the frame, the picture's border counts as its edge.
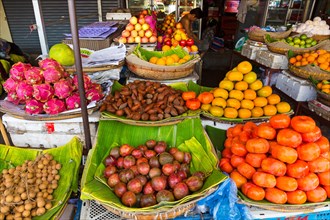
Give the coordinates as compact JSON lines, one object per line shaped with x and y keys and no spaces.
{"x":324,"y":178}
{"x":249,"y":126}
{"x":257,"y":145}
{"x":312,"y":136}
{"x":275,"y":195}
{"x":255,"y":159}
{"x":273,"y":166}
{"x":323,"y":143}
{"x":193,"y":104}
{"x":286,"y":183}
{"x":238,"y":178}
{"x":237,"y":129}
{"x":263,"y":179}
{"x":188,"y":95}
{"x":253,"y":191}
{"x":289,"y":138}
{"x":246,"y":170}
{"x":225,"y":165}
{"x":266,"y":131}
{"x":298,"y":169}
{"x":327,"y":189}
{"x":280,"y":121}
{"x":308,"y":151}
{"x":238,"y":147}
{"x":235,"y":160}
{"x":319,"y":165}
{"x":309,"y":182}
{"x":317,"y":195}
{"x":226,"y":153}
{"x":303,"y":124}
{"x":285,"y":154}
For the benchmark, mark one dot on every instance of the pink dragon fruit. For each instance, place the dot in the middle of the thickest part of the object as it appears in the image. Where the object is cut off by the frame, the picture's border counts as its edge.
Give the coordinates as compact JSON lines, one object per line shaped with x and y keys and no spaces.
{"x":54,"y":106}
{"x":52,"y":75}
{"x":50,"y":63}
{"x":94,"y":95}
{"x":33,"y":107}
{"x":18,"y":69}
{"x":12,"y":97}
{"x":34,"y":75}
{"x":10,"y":85}
{"x":96,"y":86}
{"x":73,"y":101}
{"x":24,"y":91}
{"x":87,"y":81}
{"x":63,"y":88}
{"x":43,"y":92}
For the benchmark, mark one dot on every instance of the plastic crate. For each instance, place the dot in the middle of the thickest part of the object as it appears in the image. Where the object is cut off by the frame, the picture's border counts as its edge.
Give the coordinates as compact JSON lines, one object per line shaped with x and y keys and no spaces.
{"x":299,"y":89}
{"x":322,"y":213}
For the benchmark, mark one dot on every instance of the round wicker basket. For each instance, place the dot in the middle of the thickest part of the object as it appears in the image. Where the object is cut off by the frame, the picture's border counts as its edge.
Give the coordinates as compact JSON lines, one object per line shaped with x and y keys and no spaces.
{"x":148,"y":70}
{"x":258,"y":34}
{"x":309,"y":71}
{"x":315,"y":37}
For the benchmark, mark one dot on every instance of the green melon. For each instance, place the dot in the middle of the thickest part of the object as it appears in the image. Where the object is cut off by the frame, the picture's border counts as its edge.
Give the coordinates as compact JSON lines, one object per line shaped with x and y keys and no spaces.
{"x":62,"y":53}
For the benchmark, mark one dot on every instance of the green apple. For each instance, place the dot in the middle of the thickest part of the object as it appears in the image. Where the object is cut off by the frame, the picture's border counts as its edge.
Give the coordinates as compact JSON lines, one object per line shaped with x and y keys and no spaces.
{"x":303,"y":36}
{"x":314,"y":42}
{"x":302,"y":46}
{"x":289,"y":39}
{"x":302,"y":42}
{"x":308,"y":45}
{"x":296,"y":45}
{"x":296,"y":40}
{"x":291,"y":43}
{"x":309,"y":40}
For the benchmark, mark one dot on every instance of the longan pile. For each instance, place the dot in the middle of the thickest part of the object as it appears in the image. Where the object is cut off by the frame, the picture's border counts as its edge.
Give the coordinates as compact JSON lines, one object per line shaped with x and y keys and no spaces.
{"x":26,"y":190}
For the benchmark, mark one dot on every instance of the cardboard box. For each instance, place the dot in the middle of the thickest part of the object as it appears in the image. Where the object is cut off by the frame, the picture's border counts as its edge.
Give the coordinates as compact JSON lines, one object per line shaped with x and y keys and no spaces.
{"x":47,"y":134}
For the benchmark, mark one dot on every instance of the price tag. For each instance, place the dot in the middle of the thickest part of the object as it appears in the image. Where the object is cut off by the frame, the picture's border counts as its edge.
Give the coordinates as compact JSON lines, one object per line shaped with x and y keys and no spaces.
{"x":49,"y":127}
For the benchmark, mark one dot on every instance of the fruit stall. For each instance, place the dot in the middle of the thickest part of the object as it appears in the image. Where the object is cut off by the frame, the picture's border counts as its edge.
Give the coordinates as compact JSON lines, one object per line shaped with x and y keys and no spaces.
{"x":163,"y":145}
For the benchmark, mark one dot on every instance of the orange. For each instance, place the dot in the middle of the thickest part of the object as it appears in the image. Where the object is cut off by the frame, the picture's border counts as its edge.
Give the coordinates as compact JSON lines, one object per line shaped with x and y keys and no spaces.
{"x":324,"y":65}
{"x":230,"y":113}
{"x":248,"y":104}
{"x":321,"y":51}
{"x":273,"y":99}
{"x":298,"y":57}
{"x":250,"y":77}
{"x":166,"y":48}
{"x":304,"y":63}
{"x":244,"y":67}
{"x":305,"y":55}
{"x":310,"y":59}
{"x":236,"y":94}
{"x":297,"y":64}
{"x":314,"y":54}
{"x":175,"y":57}
{"x":161,"y":61}
{"x":265,"y":91}
{"x":219,"y":102}
{"x":169,"y":61}
{"x":257,"y":112}
{"x":256,"y":85}
{"x":250,"y":94}
{"x":219,"y":92}
{"x":283,"y":107}
{"x":216,"y":111}
{"x":260,"y":102}
{"x":321,"y":59}
{"x":205,"y":107}
{"x":244,"y":113}
{"x":270,"y":110}
{"x":241,"y":85}
{"x":235,"y":76}
{"x":292,"y":60}
{"x":234,"y":103}
{"x":153,"y":60}
{"x":181,"y":61}
{"x":227,"y":85}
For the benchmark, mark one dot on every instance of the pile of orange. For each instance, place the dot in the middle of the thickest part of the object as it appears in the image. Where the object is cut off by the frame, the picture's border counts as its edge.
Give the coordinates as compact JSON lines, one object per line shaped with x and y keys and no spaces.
{"x":319,"y":58}
{"x":241,"y":95}
{"x":169,"y":60}
{"x":324,"y":86}
{"x":283,"y":161}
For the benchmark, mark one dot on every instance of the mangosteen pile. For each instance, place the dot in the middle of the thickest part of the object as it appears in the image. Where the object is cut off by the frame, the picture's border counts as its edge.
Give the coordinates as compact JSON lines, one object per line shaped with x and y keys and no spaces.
{"x":150,"y":173}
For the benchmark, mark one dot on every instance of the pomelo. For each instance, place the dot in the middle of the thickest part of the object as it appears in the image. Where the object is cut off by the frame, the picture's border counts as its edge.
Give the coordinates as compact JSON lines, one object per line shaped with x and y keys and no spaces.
{"x":62,"y":53}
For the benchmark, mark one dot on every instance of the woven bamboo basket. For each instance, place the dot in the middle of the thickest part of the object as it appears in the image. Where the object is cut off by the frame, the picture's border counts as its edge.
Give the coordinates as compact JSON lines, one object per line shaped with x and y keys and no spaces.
{"x":148,"y":70}
{"x":258,"y":34}
{"x":315,"y":37}
{"x":282,"y":47}
{"x":309,"y":71}
{"x":323,"y":95}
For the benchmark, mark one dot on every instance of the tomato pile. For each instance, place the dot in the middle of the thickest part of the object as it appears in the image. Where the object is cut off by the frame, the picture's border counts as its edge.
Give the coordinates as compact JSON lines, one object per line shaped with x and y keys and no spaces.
{"x":283,"y":161}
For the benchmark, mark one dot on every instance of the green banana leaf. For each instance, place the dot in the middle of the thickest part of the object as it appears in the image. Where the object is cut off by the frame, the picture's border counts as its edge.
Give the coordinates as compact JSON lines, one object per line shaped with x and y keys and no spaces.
{"x":217,"y":136}
{"x":69,"y":156}
{"x":147,"y":54}
{"x":187,"y":135}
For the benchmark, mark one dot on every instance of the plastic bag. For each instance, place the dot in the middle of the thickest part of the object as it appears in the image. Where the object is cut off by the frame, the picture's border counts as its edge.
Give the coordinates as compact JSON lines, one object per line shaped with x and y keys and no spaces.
{"x":222,"y":204}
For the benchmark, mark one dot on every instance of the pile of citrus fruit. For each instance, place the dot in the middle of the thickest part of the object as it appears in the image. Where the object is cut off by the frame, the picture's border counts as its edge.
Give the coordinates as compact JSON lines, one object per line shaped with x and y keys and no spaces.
{"x":241,"y":95}
{"x":169,"y":60}
{"x":283,"y":161}
{"x":319,"y":58}
{"x":324,"y":86}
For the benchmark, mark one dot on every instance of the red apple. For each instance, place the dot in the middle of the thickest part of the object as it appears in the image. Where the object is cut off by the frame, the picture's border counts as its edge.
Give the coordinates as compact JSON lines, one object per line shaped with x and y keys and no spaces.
{"x":190,"y":42}
{"x":148,"y":33}
{"x":133,"y":20}
{"x":144,"y":40}
{"x":182,"y":43}
{"x":141,"y":16}
{"x":142,"y":20}
{"x":134,"y":33}
{"x":125,"y":33}
{"x":138,"y":27}
{"x":130,"y":39}
{"x":141,"y":33}
{"x":137,"y":39}
{"x":129,"y":27}
{"x":169,"y":31}
{"x":153,"y":39}
{"x":168,"y":42}
{"x":145,"y":26}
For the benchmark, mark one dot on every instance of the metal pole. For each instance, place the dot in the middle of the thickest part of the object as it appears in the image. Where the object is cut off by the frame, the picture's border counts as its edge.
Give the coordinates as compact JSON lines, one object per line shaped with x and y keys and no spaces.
{"x":99,"y":9}
{"x":77,"y":56}
{"x":40,"y":27}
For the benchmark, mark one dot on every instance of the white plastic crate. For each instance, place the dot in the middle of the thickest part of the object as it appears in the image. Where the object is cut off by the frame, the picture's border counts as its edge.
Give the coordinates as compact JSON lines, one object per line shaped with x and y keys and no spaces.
{"x":47,"y":134}
{"x":299,"y":89}
{"x":250,"y":51}
{"x":272,"y":60}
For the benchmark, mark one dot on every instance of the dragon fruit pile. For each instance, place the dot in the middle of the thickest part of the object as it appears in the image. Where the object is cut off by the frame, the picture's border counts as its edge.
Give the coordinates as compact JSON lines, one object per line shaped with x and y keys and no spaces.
{"x":47,"y":88}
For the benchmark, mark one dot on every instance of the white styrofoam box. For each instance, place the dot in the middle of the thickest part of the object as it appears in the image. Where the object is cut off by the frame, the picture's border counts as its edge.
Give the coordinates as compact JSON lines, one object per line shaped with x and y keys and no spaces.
{"x":118,"y":16}
{"x":192,"y":77}
{"x":250,"y":51}
{"x":48,"y":134}
{"x":299,"y":89}
{"x":272,"y":60}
